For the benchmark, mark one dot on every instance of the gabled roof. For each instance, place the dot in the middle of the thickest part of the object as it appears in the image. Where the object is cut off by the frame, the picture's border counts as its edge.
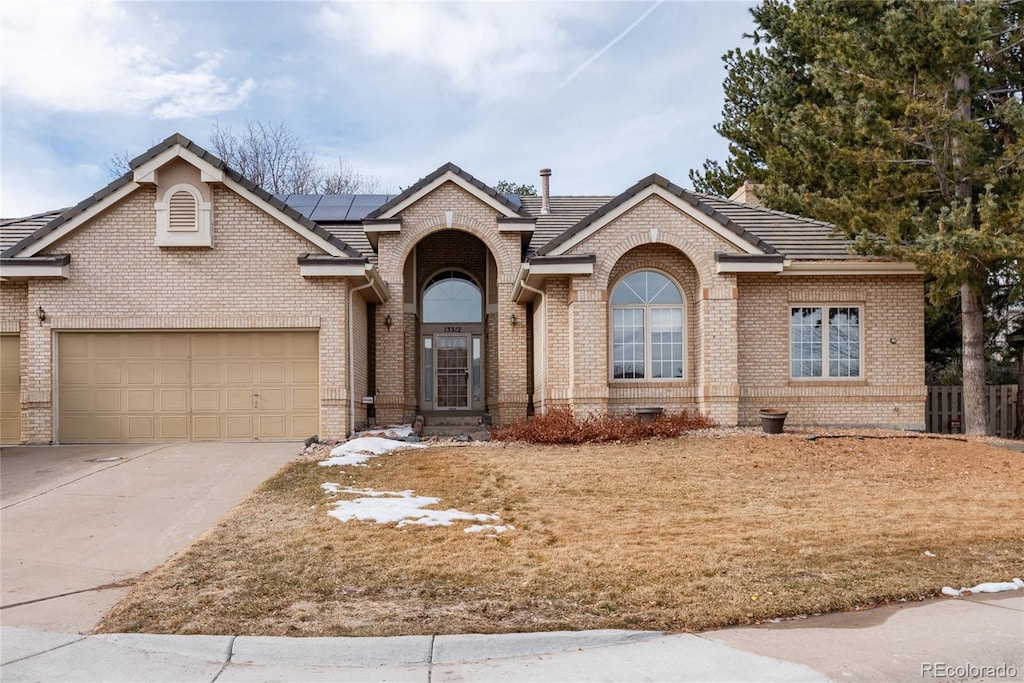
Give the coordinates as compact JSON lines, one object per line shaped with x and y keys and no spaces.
{"x":794,"y":236}
{"x":13,"y":230}
{"x":110,"y":193}
{"x":425,"y":184}
{"x":655,"y":181}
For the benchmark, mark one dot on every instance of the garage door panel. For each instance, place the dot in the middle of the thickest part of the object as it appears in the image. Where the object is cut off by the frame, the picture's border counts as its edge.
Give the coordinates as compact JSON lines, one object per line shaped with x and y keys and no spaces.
{"x":240,"y":372}
{"x":175,"y":372}
{"x":10,"y":389}
{"x":107,"y":373}
{"x":206,"y":372}
{"x":74,"y":373}
{"x":107,"y":400}
{"x":74,"y":400}
{"x":173,"y":400}
{"x":305,"y":424}
{"x":141,"y":427}
{"x":273,"y":345}
{"x":304,"y":372}
{"x":141,"y":400}
{"x":142,"y":373}
{"x":140,"y":345}
{"x":272,"y":399}
{"x":272,"y":372}
{"x":206,"y":400}
{"x":240,"y":400}
{"x":107,"y":345}
{"x":238,"y":426}
{"x":131,"y":386}
{"x":273,"y":426}
{"x":106,"y":428}
{"x":206,"y":428}
{"x":304,"y":400}
{"x":173,"y":427}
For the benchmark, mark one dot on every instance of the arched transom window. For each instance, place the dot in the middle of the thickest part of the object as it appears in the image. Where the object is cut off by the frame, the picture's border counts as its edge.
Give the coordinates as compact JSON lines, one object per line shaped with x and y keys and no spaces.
{"x":647,"y":327}
{"x":452,"y":297}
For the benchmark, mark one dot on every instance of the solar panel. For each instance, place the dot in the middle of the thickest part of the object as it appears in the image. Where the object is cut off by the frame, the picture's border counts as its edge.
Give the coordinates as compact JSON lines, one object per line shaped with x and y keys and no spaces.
{"x":332,"y":207}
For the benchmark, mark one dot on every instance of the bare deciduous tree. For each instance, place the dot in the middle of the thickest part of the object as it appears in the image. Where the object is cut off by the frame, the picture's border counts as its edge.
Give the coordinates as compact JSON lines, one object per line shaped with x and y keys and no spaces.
{"x":273,"y":157}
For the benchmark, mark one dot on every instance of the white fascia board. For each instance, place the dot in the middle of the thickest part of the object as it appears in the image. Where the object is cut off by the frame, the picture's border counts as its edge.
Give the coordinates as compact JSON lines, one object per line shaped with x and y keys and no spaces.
{"x":80,"y":218}
{"x":849,"y":268}
{"x":741,"y":267}
{"x":21,"y":271}
{"x":332,"y":270}
{"x":699,"y":216}
{"x":284,"y":218}
{"x":385,"y":226}
{"x":461,"y":182}
{"x":546,"y":269}
{"x":517,"y":226}
{"x":147,"y":172}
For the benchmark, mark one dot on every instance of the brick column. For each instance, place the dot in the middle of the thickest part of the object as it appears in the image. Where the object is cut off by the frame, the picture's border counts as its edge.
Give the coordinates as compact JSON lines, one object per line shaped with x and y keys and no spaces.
{"x":718,"y":389}
{"x":588,"y":344}
{"x":512,"y":394}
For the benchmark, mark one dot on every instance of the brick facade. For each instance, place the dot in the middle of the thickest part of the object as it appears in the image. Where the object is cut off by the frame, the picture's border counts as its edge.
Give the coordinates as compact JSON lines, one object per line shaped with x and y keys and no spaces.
{"x":119,"y":280}
{"x":736,"y":326}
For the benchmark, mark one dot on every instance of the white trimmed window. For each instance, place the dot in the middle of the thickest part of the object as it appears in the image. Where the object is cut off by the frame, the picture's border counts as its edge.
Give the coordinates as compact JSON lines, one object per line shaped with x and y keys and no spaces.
{"x":825,"y":342}
{"x":183,"y":218}
{"x":647,"y":327}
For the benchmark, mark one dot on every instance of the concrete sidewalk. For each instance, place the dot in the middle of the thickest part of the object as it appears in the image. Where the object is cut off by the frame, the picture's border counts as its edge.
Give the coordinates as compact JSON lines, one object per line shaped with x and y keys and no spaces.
{"x":892,"y":643}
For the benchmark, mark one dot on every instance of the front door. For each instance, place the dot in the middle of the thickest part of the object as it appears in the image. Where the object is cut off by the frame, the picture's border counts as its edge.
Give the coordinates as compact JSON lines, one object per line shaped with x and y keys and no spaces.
{"x":452,"y":364}
{"x":452,"y":371}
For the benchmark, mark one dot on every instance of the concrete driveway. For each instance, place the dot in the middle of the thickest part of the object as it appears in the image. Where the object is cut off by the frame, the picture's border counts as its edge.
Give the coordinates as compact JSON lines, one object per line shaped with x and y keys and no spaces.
{"x":76,"y":519}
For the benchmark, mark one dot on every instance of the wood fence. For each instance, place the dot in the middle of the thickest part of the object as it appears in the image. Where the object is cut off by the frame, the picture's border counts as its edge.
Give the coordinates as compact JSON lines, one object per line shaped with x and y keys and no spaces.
{"x":944,"y":411}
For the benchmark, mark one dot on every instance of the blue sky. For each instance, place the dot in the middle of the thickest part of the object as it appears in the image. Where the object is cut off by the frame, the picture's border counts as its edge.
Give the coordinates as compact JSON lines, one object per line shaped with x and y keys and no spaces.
{"x":604,"y":93}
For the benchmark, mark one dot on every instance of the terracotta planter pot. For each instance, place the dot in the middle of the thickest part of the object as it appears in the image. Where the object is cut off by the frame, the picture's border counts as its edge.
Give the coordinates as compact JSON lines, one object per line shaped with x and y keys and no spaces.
{"x":772,"y":419}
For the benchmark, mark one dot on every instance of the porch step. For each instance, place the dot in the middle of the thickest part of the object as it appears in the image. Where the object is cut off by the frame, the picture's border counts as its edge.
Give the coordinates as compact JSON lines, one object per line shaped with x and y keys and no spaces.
{"x":447,"y":426}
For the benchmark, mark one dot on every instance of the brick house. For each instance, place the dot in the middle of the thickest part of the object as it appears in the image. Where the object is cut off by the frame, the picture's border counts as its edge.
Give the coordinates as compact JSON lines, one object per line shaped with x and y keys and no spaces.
{"x":182,"y":302}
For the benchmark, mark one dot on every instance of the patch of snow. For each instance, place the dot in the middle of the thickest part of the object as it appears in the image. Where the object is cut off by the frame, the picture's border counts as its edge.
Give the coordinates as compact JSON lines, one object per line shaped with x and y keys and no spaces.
{"x":392,"y":432}
{"x":388,"y":507}
{"x":363,"y":448}
{"x":929,"y":553}
{"x":992,"y":587}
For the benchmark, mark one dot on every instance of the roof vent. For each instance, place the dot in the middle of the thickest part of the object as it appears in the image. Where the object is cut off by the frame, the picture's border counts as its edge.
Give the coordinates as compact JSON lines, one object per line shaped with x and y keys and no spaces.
{"x":545,"y":190}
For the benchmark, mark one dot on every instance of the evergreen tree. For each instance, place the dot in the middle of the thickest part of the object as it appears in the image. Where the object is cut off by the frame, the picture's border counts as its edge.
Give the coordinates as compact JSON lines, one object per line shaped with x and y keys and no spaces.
{"x":901,"y":122}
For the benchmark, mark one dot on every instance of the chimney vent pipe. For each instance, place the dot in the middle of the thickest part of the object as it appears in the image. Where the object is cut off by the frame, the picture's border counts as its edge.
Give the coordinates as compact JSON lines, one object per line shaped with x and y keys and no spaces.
{"x":545,"y":190}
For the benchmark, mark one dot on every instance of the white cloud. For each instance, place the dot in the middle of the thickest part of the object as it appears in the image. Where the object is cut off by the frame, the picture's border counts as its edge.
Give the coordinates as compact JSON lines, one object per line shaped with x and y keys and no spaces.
{"x":96,"y":57}
{"x":491,"y":50}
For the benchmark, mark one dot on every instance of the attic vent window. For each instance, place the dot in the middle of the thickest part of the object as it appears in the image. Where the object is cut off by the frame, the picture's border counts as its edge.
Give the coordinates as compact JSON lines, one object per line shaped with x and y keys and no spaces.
{"x":183,"y":214}
{"x":183,"y":218}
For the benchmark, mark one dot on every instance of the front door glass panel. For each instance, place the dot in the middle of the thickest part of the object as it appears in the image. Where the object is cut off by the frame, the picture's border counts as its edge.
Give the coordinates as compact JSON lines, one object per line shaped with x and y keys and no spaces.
{"x":452,"y":361}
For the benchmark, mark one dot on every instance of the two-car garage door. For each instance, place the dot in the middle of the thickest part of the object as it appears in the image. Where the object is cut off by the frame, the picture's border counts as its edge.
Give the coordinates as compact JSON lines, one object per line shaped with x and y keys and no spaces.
{"x":184,"y":386}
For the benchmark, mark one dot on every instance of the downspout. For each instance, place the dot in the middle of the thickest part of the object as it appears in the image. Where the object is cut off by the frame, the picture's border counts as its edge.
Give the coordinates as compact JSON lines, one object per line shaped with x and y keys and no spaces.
{"x":544,"y":364}
{"x":352,"y":357}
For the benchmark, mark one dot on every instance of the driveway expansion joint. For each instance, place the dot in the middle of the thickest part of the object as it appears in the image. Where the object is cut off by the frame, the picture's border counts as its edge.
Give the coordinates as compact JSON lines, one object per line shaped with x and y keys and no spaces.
{"x":227,"y":662}
{"x":47,"y":651}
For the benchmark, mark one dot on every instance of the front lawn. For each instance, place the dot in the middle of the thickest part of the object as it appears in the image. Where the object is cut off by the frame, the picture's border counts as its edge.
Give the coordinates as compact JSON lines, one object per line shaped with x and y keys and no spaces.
{"x":689,"y":533}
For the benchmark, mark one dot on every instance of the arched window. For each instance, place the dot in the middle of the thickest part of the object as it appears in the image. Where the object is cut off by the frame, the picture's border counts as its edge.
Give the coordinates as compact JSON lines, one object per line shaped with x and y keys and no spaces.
{"x":452,"y":297}
{"x":647,"y":327}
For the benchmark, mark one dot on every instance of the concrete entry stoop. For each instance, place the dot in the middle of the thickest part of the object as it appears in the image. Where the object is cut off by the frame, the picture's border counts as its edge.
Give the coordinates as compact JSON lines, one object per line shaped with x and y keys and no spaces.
{"x":451,"y":425}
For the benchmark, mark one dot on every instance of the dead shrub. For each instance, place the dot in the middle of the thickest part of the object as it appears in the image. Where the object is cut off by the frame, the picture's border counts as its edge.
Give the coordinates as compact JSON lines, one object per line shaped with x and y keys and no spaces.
{"x":561,"y":426}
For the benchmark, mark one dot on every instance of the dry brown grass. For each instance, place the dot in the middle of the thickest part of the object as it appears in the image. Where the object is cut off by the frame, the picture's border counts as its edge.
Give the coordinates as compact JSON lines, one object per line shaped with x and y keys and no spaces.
{"x":681,"y":534}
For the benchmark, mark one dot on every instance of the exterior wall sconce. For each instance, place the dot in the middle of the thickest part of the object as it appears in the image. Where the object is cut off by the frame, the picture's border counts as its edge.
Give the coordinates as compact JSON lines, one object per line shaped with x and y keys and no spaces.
{"x":512,"y":319}
{"x":387,"y":321}
{"x":41,"y":314}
